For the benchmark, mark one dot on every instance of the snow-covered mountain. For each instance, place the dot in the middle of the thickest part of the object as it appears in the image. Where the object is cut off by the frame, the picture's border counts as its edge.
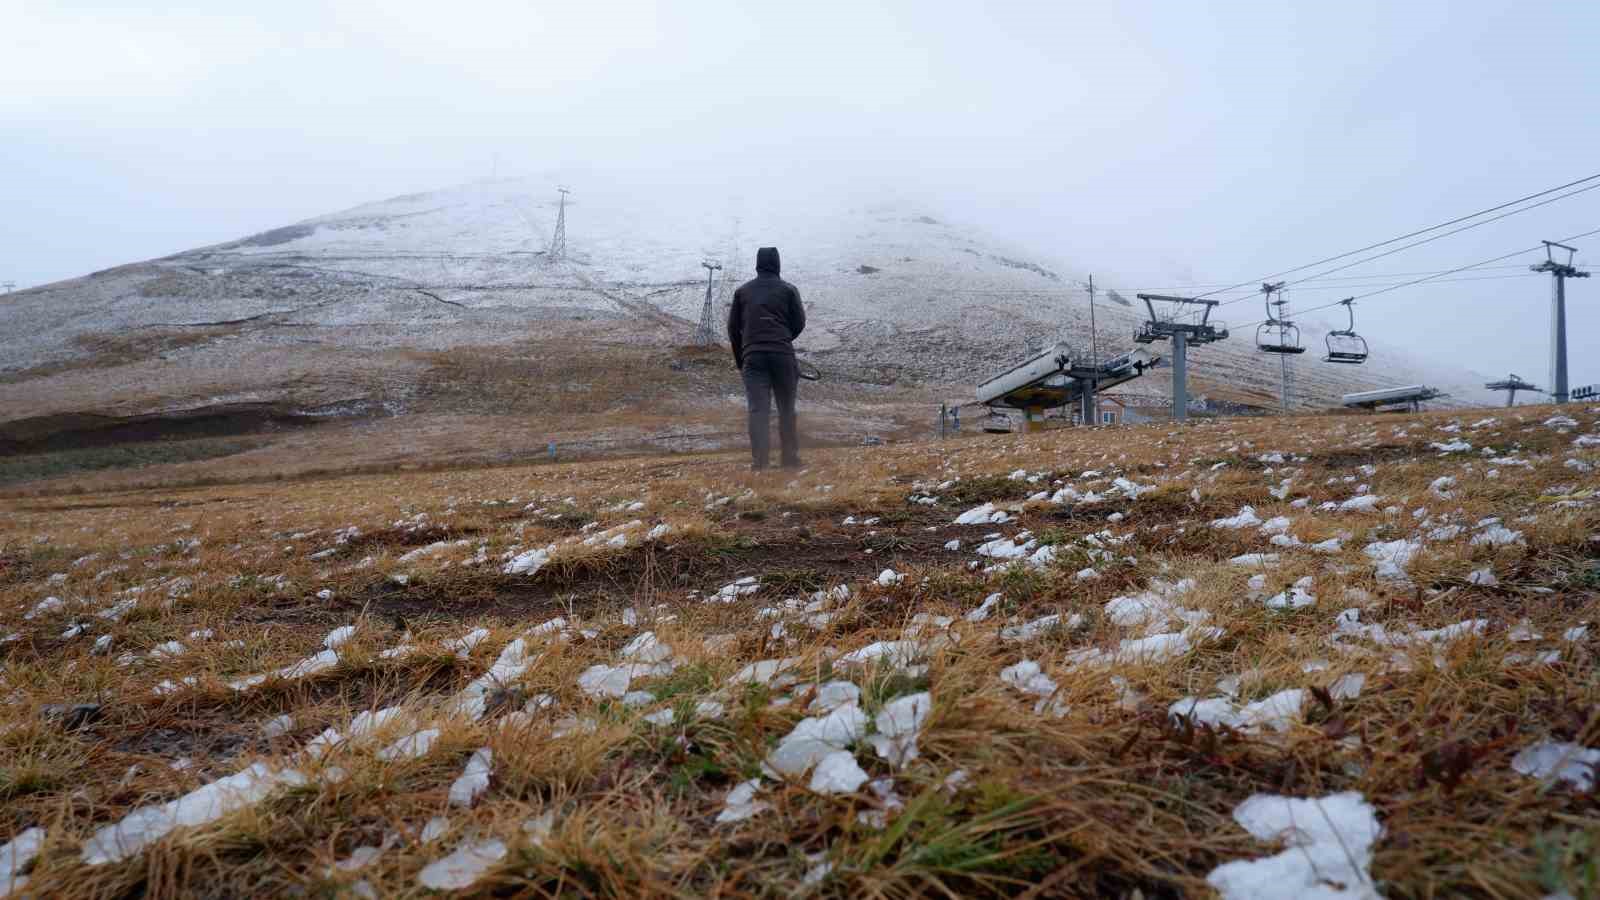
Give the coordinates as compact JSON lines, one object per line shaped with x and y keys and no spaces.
{"x":895,"y":293}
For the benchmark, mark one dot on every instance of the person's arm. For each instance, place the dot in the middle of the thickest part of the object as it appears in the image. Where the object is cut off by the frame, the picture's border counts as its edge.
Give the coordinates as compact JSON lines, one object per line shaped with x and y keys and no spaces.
{"x":736,"y":328}
{"x":797,"y":312}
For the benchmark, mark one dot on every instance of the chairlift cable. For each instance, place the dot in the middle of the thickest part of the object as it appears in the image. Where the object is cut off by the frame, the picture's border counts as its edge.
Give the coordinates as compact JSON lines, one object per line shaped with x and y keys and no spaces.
{"x":1376,"y":277}
{"x":1418,"y":232}
{"x":1395,"y":287}
{"x":1427,"y":240}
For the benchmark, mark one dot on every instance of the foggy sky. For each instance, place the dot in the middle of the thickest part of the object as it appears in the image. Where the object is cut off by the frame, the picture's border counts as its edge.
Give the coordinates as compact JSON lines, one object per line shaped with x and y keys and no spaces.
{"x":1155,"y":144}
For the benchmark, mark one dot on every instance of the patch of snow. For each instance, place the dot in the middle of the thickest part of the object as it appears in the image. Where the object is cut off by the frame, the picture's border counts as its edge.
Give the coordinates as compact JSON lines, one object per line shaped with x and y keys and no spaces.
{"x":528,"y":563}
{"x":898,"y":654}
{"x":148,"y":824}
{"x":277,"y":726}
{"x":16,"y":857}
{"x":1553,"y":761}
{"x":983,"y":515}
{"x":1245,"y":518}
{"x":412,"y":746}
{"x":837,"y":773}
{"x":741,"y":803}
{"x":1328,"y":849}
{"x":1497,"y":535}
{"x":815,"y":737}
{"x":1361,"y":503}
{"x":763,"y":671}
{"x":1032,"y":629}
{"x":474,"y":779}
{"x":728,"y":593}
{"x":462,"y":868}
{"x":834,"y":694}
{"x":984,"y":609}
{"x":899,"y":723}
{"x":1297,"y":597}
{"x":1347,"y":687}
{"x":1392,"y":557}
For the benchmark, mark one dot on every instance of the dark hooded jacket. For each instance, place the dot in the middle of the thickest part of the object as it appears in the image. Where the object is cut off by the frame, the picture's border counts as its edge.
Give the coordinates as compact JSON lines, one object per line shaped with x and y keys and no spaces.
{"x":766,"y":313}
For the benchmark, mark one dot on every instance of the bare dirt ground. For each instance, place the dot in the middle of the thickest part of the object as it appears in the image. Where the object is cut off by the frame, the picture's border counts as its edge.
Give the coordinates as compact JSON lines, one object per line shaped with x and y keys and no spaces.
{"x":1314,"y":656}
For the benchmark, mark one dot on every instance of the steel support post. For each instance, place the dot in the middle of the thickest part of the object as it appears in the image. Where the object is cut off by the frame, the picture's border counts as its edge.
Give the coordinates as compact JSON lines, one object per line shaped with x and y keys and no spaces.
{"x":1558,"y":339}
{"x":1180,"y":377}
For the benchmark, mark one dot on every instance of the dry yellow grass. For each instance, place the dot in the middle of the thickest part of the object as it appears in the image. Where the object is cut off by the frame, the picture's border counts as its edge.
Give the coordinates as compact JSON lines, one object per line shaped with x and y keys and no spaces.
{"x":585,"y":796}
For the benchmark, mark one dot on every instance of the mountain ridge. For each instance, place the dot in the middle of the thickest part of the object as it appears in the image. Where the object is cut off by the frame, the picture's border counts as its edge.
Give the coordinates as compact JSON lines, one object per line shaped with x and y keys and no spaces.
{"x":890,"y":286}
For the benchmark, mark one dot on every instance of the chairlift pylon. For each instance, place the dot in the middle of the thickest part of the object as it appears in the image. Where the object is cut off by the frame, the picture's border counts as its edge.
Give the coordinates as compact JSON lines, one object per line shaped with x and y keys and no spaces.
{"x":1346,"y":346}
{"x":1277,"y":334}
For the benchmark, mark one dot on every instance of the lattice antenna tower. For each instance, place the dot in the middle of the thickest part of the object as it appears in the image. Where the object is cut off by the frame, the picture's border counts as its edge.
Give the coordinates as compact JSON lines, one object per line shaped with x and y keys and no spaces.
{"x":705,"y":336}
{"x":558,"y":243}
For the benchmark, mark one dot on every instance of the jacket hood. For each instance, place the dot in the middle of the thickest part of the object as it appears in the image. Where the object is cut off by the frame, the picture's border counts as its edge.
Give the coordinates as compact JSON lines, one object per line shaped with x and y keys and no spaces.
{"x":767,"y":261}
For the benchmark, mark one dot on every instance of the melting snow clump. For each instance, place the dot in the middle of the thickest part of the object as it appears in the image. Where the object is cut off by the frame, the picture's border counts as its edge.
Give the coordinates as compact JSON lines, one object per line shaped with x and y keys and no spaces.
{"x":1551,"y":761}
{"x":1328,"y":849}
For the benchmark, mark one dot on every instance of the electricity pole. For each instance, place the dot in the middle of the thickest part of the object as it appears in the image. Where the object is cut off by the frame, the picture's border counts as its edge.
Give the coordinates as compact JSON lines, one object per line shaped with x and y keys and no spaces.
{"x":1558,"y":315}
{"x":558,"y":243}
{"x":705,"y":336}
{"x":1088,"y":410}
{"x":1094,"y":338}
{"x":8,"y":285}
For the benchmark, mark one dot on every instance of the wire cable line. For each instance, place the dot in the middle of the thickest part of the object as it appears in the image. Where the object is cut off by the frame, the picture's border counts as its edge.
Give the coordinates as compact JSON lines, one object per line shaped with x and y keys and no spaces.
{"x":1403,"y":284}
{"x":1421,"y":231}
{"x":1427,"y":240}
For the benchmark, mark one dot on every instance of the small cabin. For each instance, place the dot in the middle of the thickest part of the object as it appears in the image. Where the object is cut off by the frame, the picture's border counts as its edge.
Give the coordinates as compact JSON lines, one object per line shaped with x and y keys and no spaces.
{"x":1112,"y":409}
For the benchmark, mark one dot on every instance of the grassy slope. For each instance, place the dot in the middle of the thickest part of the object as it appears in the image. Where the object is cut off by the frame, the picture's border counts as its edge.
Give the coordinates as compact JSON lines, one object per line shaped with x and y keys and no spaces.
{"x":1111,"y":798}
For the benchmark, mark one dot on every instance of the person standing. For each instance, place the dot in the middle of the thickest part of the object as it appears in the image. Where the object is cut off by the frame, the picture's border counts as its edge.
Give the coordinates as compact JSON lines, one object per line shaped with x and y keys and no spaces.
{"x":763,"y":322}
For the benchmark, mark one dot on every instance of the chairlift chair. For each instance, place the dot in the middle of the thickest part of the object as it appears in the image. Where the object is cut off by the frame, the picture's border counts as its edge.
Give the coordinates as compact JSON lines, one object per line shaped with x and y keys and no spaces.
{"x":1346,"y":346}
{"x":1277,"y":334}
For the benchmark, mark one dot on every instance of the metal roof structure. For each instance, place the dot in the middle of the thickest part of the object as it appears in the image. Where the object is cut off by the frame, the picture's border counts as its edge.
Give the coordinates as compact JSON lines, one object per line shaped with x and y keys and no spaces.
{"x":1410,"y":395}
{"x":1051,"y":379}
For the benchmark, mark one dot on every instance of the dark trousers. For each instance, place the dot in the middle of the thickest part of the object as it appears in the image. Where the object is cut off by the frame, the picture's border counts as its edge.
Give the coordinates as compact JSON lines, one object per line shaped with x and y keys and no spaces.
{"x":769,"y":375}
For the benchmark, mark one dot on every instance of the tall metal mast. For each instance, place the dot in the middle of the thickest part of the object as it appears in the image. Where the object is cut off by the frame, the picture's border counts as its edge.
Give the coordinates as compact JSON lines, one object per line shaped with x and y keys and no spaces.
{"x":706,"y":335}
{"x":1286,"y":341}
{"x":1558,"y":314}
{"x":1094,"y":335}
{"x":558,"y":243}
{"x":1087,"y":405}
{"x":1182,"y":335}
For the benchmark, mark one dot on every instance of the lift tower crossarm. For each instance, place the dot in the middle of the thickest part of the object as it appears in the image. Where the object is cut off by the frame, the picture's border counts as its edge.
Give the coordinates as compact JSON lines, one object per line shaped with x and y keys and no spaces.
{"x":1163,"y":298}
{"x":1182,"y":334}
